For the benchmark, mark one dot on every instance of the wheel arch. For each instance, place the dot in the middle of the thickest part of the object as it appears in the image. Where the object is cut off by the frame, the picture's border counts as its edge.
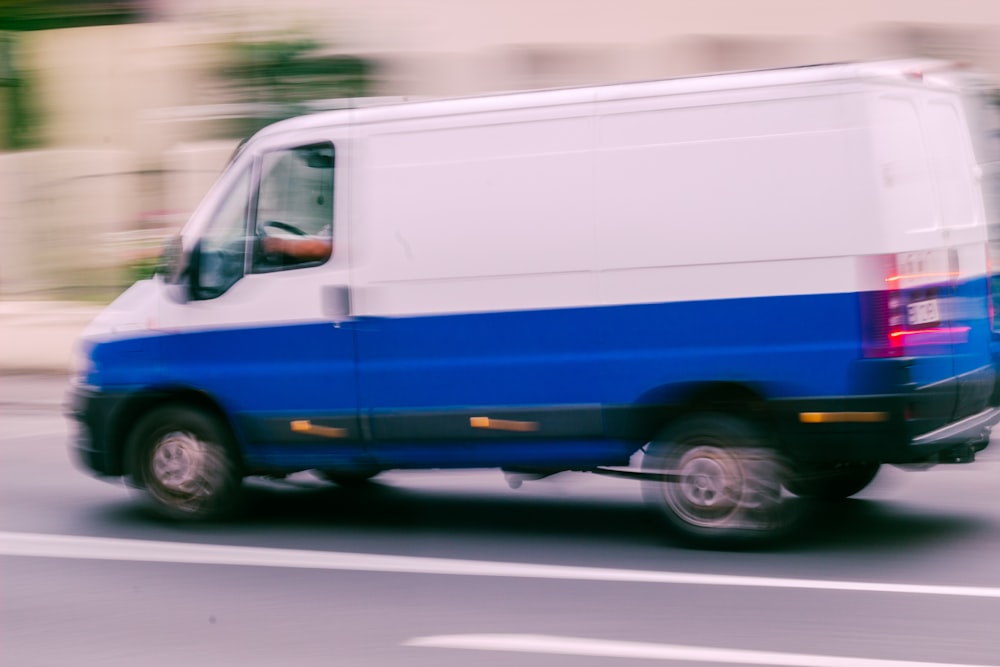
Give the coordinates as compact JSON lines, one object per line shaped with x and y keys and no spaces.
{"x":667,"y":403}
{"x":145,"y":401}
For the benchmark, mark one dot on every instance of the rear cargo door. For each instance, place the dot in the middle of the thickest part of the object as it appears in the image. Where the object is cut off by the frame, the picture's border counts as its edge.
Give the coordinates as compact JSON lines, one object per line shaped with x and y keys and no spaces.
{"x":965,"y":312}
{"x":919,"y":275}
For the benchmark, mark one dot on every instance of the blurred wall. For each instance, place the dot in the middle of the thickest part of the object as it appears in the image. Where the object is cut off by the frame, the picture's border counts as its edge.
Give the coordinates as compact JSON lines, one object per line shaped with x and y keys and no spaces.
{"x":126,"y":136}
{"x":99,"y":192}
{"x":59,"y":209}
{"x":100,"y":86}
{"x":460,"y":46}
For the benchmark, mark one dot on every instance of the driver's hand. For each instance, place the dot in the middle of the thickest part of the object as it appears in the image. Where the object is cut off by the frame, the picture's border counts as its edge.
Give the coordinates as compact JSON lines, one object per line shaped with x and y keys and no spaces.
{"x":272,"y":245}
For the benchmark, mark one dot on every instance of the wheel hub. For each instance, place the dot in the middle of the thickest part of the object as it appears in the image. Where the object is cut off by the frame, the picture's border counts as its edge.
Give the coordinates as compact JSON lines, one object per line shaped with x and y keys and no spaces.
{"x":707,"y":490}
{"x":181,"y":463}
{"x":703,"y":482}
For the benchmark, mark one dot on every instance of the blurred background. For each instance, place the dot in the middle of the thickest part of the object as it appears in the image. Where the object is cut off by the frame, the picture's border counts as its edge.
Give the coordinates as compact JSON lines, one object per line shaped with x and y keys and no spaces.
{"x":117,"y":115}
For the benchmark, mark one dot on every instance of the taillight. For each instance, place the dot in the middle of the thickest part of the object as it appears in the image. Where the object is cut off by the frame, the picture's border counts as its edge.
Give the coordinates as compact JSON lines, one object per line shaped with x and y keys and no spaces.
{"x":882,"y":319}
{"x":913,"y":307}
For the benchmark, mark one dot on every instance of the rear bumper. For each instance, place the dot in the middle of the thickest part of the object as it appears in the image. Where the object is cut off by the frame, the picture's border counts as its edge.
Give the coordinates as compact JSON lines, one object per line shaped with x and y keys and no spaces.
{"x":974,"y":428}
{"x":893,"y":420}
{"x":880,"y":429}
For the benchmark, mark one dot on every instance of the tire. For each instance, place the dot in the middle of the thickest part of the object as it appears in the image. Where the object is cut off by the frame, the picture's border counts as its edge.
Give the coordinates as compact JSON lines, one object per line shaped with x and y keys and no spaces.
{"x":349,"y":478}
{"x":833,"y":481}
{"x":184,"y":460}
{"x":717,"y":483}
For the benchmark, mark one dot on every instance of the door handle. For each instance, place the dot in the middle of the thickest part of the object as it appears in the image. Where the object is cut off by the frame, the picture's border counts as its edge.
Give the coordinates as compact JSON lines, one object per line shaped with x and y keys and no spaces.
{"x":337,"y":303}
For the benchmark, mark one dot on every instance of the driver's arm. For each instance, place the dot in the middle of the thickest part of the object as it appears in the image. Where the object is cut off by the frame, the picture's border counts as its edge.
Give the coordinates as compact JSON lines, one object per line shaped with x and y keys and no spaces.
{"x":305,"y":249}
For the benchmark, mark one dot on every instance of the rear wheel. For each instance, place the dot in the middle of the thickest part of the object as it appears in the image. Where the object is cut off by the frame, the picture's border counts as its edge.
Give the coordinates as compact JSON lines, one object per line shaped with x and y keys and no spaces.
{"x":718,"y":483}
{"x":184,"y":460}
{"x":831,"y":481}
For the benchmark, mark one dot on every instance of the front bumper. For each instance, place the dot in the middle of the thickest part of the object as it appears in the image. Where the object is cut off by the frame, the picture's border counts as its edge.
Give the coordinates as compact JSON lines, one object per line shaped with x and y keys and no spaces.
{"x":95,"y":445}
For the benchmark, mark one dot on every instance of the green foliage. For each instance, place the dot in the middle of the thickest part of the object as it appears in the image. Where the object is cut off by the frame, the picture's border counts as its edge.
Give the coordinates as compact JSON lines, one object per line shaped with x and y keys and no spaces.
{"x":56,"y":14}
{"x":20,"y":117}
{"x":282,"y":72}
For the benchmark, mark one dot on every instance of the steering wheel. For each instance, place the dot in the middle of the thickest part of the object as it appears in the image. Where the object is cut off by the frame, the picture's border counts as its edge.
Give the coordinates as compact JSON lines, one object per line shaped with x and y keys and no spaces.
{"x":285,"y":227}
{"x":269,"y":258}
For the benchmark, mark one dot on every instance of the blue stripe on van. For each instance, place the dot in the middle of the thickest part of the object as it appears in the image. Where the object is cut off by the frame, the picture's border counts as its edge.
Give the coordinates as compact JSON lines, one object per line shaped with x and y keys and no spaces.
{"x":790,"y":346}
{"x":787,"y":347}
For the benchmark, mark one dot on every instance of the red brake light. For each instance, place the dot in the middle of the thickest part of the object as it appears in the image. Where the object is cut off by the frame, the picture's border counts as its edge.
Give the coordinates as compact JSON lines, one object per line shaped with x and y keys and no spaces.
{"x":882,"y":316}
{"x":912,"y":309}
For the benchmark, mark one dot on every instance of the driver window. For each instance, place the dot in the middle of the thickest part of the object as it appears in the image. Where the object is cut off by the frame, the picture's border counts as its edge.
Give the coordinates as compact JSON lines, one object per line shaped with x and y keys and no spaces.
{"x":294,"y":213}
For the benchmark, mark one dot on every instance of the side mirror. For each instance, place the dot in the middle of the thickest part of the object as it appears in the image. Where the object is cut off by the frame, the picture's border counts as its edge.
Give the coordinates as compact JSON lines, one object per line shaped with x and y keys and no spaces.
{"x":193,"y":272}
{"x":171,"y":262}
{"x":171,"y":269}
{"x":211,"y":272}
{"x":202,"y":272}
{"x":179,"y":271}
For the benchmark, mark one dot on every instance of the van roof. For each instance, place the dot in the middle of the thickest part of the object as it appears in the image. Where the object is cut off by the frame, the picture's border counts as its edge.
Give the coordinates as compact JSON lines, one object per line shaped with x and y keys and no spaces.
{"x":926,"y":72}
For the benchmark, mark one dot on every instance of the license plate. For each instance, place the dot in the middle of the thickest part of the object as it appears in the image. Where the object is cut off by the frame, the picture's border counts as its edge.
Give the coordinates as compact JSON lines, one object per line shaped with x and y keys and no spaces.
{"x":923,"y":312}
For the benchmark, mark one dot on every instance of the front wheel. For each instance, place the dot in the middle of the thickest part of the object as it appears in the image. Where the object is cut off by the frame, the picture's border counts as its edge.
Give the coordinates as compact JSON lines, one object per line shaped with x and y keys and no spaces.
{"x":184,"y":460}
{"x":717,"y":483}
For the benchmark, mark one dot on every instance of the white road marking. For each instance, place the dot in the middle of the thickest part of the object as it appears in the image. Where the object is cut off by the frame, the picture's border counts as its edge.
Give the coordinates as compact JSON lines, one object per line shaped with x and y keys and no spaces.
{"x":647,"y":651}
{"x":31,"y":434}
{"x":107,"y":548}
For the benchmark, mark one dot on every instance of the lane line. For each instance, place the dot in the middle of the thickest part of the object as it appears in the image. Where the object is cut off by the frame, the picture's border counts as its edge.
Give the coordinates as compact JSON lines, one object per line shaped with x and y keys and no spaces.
{"x":116,"y":549}
{"x":43,"y":433}
{"x":646,"y":651}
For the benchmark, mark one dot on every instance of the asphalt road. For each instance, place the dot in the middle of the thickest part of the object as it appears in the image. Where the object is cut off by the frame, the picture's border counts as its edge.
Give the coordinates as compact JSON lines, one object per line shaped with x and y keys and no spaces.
{"x":456,"y":569}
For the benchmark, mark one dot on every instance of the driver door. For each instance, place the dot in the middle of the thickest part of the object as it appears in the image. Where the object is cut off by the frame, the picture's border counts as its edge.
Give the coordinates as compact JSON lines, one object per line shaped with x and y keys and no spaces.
{"x":253,"y":335}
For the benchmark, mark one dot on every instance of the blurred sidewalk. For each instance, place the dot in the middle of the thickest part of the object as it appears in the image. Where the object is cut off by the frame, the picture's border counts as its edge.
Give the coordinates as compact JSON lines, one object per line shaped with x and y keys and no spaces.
{"x":37,"y":336}
{"x":32,"y":393}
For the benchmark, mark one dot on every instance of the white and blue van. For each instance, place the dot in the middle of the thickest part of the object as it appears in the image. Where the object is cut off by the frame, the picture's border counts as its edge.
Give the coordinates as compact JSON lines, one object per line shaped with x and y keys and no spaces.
{"x":752,"y":286}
